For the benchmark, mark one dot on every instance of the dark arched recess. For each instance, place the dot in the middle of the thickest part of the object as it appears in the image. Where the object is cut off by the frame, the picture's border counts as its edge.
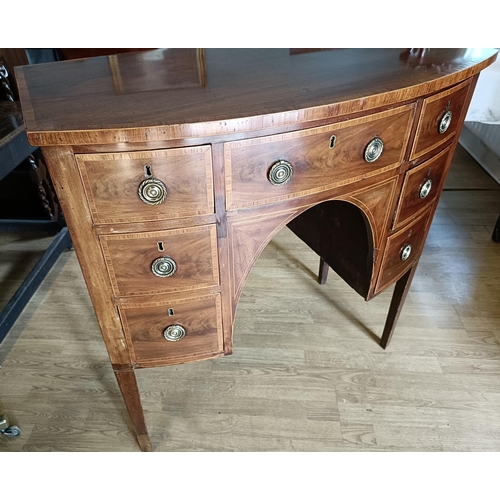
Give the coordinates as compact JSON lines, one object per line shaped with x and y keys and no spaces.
{"x":339,"y":232}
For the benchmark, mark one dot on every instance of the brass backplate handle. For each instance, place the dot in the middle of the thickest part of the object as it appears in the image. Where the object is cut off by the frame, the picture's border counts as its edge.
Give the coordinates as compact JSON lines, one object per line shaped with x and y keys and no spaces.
{"x":374,"y":149}
{"x":405,"y":252}
{"x":174,"y":333}
{"x":152,"y":191}
{"x":425,"y":189}
{"x":445,"y":122}
{"x":280,"y":173}
{"x":163,"y":267}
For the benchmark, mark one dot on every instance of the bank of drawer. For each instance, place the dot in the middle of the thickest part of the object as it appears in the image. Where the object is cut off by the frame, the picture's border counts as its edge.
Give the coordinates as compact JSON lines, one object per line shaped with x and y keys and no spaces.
{"x":394,"y":265}
{"x":173,"y":330}
{"x":112,"y":182}
{"x":189,"y":254}
{"x":420,"y":188}
{"x":319,"y":158}
{"x":434,"y":114}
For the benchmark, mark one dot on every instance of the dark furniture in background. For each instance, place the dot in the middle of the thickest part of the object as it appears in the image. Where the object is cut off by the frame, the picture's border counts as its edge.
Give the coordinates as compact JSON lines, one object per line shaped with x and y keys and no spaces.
{"x":26,"y":185}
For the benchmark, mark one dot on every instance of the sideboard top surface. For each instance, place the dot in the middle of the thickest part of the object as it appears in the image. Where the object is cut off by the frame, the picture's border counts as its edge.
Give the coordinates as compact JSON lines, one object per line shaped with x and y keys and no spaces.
{"x":180,"y":93}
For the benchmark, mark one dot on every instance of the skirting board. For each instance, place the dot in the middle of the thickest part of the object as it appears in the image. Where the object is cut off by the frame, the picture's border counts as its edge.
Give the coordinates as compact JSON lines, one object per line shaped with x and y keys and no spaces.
{"x":481,"y":152}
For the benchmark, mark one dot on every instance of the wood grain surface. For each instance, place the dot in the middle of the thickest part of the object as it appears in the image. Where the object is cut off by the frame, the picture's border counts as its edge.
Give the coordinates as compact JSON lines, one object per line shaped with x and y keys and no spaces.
{"x":85,"y":105}
{"x":129,"y":258}
{"x":316,"y":166}
{"x":428,"y":137}
{"x":411,"y":204}
{"x":328,"y":165}
{"x":112,"y":180}
{"x":71,"y":196}
{"x":201,"y":318}
{"x":309,"y":378}
{"x":393,"y":266}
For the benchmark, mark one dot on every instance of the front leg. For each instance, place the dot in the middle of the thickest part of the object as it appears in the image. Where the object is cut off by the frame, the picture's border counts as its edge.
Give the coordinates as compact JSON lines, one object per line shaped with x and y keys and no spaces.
{"x":323,"y":271}
{"x":496,"y":231}
{"x":130,"y":392}
{"x":397,"y":303}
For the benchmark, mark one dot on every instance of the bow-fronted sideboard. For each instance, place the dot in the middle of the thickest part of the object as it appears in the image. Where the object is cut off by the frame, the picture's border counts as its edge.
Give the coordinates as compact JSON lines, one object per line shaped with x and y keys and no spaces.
{"x":174,"y":168}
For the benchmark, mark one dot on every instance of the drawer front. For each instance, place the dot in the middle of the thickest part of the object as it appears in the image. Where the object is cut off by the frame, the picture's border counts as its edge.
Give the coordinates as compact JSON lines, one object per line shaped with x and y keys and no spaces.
{"x":394,"y":265}
{"x":320,"y":158}
{"x":112,"y":182}
{"x":193,"y":326}
{"x":130,"y":259}
{"x":421,"y":186}
{"x":439,"y":119}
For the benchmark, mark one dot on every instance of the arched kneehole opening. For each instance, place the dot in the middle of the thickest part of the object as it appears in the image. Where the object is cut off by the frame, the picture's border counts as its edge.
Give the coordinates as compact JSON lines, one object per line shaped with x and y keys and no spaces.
{"x":340,"y":233}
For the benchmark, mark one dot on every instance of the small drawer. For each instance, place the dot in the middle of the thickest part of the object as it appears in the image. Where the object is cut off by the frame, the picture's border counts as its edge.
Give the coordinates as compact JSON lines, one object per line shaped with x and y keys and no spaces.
{"x":280,"y":167}
{"x":439,"y":119}
{"x":161,"y":261}
{"x":174,"y":331}
{"x":421,"y":186}
{"x":148,"y":185}
{"x":401,"y":251}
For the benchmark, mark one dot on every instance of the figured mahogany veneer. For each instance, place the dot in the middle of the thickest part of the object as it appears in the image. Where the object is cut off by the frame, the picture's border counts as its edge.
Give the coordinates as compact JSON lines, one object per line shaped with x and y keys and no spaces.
{"x":111,"y":183}
{"x":129,"y":258}
{"x":145,"y":323}
{"x":210,"y":124}
{"x":393,"y":266}
{"x":434,"y":108}
{"x":317,"y":166}
{"x":411,"y":202}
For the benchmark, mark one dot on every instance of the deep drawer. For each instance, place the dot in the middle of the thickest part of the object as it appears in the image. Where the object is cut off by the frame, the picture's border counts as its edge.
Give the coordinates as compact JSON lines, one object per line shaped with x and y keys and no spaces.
{"x":112,"y":182}
{"x":174,"y":330}
{"x":318,"y":159}
{"x":133,"y":260}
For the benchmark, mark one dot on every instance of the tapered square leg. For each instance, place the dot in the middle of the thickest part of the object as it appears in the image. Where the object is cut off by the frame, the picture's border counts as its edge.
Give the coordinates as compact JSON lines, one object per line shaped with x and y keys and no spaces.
{"x":130,"y":392}
{"x":397,"y":303}
{"x":496,"y":231}
{"x":323,"y":271}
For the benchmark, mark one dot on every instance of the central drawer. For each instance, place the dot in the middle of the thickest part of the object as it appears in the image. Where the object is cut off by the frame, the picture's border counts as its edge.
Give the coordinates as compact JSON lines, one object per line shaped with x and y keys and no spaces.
{"x":280,"y":167}
{"x":161,"y":261}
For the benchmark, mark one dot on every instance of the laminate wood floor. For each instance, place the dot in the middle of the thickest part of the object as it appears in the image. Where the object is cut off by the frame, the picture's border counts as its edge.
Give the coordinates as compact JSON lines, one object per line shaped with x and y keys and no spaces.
{"x":307,"y":373}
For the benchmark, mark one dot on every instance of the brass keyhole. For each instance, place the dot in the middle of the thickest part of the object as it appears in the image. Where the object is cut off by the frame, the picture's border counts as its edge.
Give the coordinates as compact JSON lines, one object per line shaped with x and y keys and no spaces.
{"x":171,"y":312}
{"x":147,"y":171}
{"x":160,"y":246}
{"x":333,"y":138}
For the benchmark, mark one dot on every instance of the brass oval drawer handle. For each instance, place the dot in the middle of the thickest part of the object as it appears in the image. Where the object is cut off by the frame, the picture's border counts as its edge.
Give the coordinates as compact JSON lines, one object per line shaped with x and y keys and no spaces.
{"x":374,"y":149}
{"x":163,"y":267}
{"x":280,"y":173}
{"x":445,"y":122}
{"x":152,"y":191}
{"x":174,"y":333}
{"x":425,"y":189}
{"x":405,"y":253}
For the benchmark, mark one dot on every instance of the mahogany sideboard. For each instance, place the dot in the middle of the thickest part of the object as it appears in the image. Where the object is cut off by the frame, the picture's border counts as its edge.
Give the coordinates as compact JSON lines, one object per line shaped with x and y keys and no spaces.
{"x":174,"y":168}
